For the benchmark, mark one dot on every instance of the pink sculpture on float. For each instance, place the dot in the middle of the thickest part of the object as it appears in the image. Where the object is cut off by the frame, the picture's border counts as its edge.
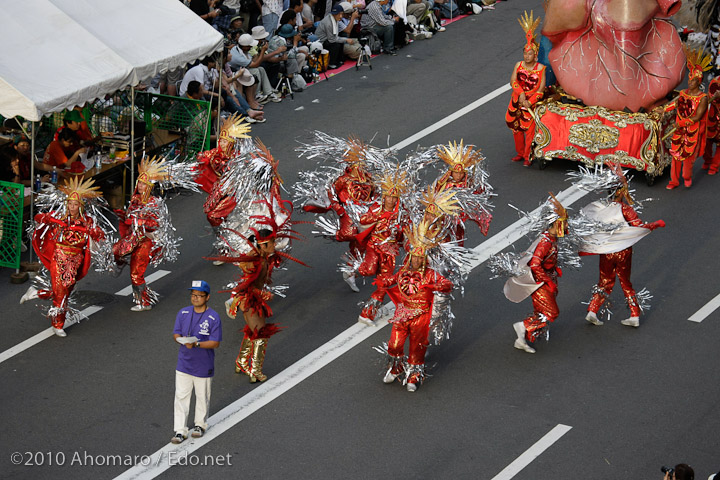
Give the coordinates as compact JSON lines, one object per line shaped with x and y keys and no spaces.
{"x":615,"y":53}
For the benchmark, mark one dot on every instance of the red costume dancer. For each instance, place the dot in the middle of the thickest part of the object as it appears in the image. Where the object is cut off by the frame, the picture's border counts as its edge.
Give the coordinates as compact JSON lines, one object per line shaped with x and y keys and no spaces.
{"x":544,"y":269}
{"x":528,"y":83}
{"x":380,"y":238}
{"x":137,"y":227}
{"x":413,"y":292}
{"x":462,"y":159}
{"x":251,"y":294}
{"x":63,"y":247}
{"x":712,"y":162}
{"x":619,"y":263}
{"x":214,"y":165}
{"x":688,"y":139}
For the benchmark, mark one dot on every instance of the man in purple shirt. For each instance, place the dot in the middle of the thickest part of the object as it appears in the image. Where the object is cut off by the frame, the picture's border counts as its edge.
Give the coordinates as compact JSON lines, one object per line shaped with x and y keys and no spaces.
{"x":196,"y":360}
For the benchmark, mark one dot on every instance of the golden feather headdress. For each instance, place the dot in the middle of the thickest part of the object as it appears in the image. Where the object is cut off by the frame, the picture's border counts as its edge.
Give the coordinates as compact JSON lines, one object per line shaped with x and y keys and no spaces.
{"x":420,"y":239}
{"x":440,"y":203}
{"x":697,"y":62}
{"x":395,"y":184}
{"x":77,"y":189}
{"x":562,"y":216}
{"x":529,"y":24}
{"x":152,"y":169}
{"x":459,"y":157}
{"x":234,"y":127}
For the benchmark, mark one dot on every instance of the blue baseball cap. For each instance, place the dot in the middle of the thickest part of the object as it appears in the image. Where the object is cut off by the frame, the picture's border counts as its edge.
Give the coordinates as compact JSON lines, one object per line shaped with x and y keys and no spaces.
{"x":337,"y":8}
{"x":200,"y":286}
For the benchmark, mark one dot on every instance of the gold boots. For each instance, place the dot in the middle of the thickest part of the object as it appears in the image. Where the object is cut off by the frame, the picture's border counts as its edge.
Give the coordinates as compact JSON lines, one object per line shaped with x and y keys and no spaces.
{"x":258,"y":357}
{"x":242,"y":363}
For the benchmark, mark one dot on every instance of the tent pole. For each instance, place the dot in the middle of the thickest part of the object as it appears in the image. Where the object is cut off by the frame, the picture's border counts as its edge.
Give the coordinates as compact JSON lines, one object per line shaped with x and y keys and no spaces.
{"x":132,"y":136}
{"x":32,"y":185}
{"x":217,"y":129}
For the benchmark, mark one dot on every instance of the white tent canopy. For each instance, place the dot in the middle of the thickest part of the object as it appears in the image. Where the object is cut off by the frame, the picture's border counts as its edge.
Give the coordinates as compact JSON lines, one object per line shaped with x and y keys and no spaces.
{"x":62,"y":53}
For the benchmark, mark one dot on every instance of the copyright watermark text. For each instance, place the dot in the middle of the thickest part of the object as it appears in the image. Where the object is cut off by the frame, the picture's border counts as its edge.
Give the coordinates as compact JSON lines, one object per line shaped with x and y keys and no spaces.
{"x":86,"y":459}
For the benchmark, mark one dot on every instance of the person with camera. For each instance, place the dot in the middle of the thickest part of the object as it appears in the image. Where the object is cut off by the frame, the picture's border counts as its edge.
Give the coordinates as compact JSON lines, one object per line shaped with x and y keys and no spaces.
{"x":382,"y":24}
{"x":681,"y":471}
{"x":328,"y":33}
{"x":288,"y":56}
{"x":246,"y":54}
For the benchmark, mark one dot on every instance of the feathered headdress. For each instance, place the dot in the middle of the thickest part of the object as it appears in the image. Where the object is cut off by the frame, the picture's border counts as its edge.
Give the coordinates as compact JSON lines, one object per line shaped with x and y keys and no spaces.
{"x":78,"y":190}
{"x":529,"y":24}
{"x":697,"y":62}
{"x":263,"y":153}
{"x":152,"y":169}
{"x":234,"y":127}
{"x":420,"y":239}
{"x":622,"y":190}
{"x":440,"y":203}
{"x":355,"y":158}
{"x":459,"y":157}
{"x":395,"y":184}
{"x":561,"y":221}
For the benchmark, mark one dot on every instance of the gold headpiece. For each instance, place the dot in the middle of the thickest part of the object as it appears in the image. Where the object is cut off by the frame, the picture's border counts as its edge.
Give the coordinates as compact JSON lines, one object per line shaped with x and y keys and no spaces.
{"x":394,"y":184}
{"x":78,"y":190}
{"x":440,"y":203}
{"x":459,"y":157}
{"x":560,"y":211}
{"x":355,"y":158}
{"x":234,"y":127}
{"x":420,"y":239}
{"x":697,"y":62}
{"x":529,"y":24}
{"x":152,"y":169}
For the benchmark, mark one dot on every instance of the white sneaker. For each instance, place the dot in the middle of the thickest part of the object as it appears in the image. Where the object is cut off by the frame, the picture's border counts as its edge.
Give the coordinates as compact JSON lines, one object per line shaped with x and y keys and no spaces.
{"x":31,"y":294}
{"x":428,"y":35}
{"x":389,"y":377}
{"x":366,"y":321}
{"x":592,"y":318}
{"x":141,"y":308}
{"x":217,"y":263}
{"x":59,"y":332}
{"x":441,"y":29}
{"x":275,"y":97}
{"x":632,"y":322}
{"x":521,"y":344}
{"x":411,"y":387}
{"x":350,"y":280}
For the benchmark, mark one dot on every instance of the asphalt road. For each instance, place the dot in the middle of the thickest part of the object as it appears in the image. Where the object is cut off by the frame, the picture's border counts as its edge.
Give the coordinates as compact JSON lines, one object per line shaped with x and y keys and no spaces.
{"x":636,"y":399}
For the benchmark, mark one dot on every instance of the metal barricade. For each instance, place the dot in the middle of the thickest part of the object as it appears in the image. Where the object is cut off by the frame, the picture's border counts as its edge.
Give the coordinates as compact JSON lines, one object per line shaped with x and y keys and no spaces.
{"x":11,"y":215}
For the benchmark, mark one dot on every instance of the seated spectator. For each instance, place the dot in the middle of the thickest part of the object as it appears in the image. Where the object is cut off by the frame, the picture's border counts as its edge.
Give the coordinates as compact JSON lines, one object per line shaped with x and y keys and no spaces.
{"x":286,"y":43}
{"x":241,"y":81}
{"x":290,"y":18}
{"x":304,"y":23}
{"x":75,"y":121}
{"x":328,"y":32}
{"x":19,"y":159}
{"x":62,"y":152}
{"x":382,"y":24}
{"x":246,"y":55}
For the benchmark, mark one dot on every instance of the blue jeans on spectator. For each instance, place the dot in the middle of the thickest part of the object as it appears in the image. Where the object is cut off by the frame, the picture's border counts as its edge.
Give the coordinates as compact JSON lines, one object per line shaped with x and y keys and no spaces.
{"x":233,"y":107}
{"x":386,"y":34}
{"x":270,"y":22}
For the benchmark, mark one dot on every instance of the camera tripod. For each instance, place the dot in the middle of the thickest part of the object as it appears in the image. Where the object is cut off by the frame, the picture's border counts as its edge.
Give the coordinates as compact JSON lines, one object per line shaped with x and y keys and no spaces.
{"x":365,"y":56}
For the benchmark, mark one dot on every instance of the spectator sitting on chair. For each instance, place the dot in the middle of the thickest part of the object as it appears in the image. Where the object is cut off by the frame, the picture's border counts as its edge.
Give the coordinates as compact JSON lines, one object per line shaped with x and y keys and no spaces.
{"x":328,"y":32}
{"x":382,"y":24}
{"x":63,"y":151}
{"x":241,"y":80}
{"x":246,"y":55}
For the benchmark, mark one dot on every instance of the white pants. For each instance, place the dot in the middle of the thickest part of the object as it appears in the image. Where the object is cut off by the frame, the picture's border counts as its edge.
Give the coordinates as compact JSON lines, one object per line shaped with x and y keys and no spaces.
{"x":184,"y":385}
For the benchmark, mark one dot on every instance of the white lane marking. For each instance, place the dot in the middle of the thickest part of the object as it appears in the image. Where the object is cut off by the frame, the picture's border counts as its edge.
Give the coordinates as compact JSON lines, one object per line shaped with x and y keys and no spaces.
{"x":705,"y":311}
{"x":314,"y":361}
{"x":533,"y":452}
{"x":452,"y":117}
{"x":157,"y":275}
{"x":44,"y":335}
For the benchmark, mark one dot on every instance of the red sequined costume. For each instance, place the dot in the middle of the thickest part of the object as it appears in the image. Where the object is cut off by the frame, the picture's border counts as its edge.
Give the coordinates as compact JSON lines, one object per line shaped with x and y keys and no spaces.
{"x":63,"y":249}
{"x":380,"y":241}
{"x":620,"y":264}
{"x":543,"y":266}
{"x":136,"y":226}
{"x":354,"y":186}
{"x":527,"y":82}
{"x":413,"y":295}
{"x":712,"y":162}
{"x":688,"y":139}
